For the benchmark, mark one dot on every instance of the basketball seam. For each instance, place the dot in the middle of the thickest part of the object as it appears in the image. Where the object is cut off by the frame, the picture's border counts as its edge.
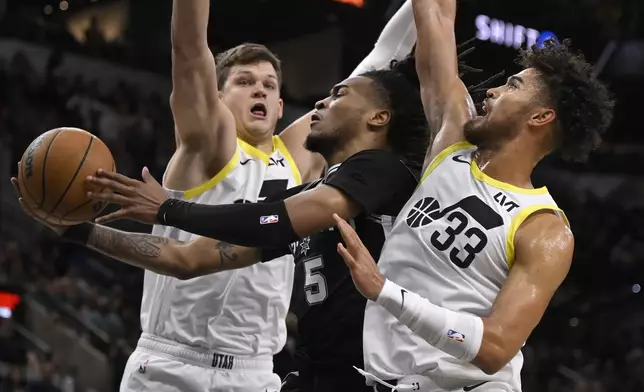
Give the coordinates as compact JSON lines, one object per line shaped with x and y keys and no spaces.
{"x":80,"y":166}
{"x":87,"y":202}
{"x":44,"y":166}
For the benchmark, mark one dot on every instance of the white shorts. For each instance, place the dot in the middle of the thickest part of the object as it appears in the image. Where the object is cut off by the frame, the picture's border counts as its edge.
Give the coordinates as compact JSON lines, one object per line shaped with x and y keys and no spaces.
{"x":424,"y":384}
{"x":160,"y":365}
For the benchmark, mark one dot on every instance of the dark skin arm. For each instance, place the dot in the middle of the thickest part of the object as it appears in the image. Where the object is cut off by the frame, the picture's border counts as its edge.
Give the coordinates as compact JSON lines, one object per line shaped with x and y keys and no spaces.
{"x":309,"y":211}
{"x":165,"y":256}
{"x":544,"y":247}
{"x":448,"y":105}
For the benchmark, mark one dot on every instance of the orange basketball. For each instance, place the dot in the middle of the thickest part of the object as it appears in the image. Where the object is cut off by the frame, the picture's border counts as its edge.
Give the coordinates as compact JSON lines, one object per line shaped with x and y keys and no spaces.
{"x":53,"y":172}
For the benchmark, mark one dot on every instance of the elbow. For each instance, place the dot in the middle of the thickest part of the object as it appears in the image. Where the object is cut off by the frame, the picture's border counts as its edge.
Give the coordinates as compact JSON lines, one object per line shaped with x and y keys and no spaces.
{"x":495,"y":352}
{"x":491,"y":364}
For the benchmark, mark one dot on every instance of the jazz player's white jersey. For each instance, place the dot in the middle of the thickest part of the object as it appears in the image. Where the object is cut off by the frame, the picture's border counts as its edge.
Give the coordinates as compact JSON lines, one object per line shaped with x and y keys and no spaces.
{"x":453,"y":244}
{"x":240,"y":312}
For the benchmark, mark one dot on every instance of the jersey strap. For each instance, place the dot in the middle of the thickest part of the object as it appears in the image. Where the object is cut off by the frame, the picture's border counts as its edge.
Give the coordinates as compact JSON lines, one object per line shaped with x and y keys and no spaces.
{"x":223,"y":173}
{"x":438,"y":159}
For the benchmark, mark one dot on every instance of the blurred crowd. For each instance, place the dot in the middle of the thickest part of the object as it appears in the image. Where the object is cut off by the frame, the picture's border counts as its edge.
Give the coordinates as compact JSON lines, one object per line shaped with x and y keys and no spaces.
{"x":589,"y":341}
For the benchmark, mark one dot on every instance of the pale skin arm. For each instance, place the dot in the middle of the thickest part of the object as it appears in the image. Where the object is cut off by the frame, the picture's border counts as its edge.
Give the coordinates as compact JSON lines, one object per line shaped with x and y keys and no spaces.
{"x":204,"y":127}
{"x":165,"y":256}
{"x":544,"y":248}
{"x":448,"y":105}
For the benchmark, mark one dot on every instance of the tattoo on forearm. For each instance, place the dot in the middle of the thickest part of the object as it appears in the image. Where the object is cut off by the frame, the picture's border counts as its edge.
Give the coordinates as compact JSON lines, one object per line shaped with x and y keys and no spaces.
{"x":226,"y":252}
{"x":114,"y":242}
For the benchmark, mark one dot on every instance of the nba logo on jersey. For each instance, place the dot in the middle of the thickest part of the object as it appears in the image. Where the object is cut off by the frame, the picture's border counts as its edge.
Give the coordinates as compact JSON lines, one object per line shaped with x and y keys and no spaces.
{"x":268,"y":219}
{"x":454,"y":335}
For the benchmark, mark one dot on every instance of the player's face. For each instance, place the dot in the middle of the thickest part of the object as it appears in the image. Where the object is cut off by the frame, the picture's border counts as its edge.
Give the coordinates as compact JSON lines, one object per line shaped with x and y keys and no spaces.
{"x":508,"y":109}
{"x":252,"y":94}
{"x":340,"y":117}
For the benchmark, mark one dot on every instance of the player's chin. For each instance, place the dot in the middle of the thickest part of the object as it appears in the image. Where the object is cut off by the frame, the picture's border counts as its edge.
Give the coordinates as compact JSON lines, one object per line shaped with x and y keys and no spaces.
{"x":260,"y":128}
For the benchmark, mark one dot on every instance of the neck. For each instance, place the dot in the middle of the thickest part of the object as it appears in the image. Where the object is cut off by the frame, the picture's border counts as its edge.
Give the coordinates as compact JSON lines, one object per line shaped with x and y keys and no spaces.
{"x":351,"y":148}
{"x":511,"y":163}
{"x":263,"y":143}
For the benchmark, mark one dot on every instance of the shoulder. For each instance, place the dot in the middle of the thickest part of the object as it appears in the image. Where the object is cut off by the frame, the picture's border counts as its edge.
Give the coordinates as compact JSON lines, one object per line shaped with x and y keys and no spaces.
{"x":545,"y":233}
{"x":381,"y":163}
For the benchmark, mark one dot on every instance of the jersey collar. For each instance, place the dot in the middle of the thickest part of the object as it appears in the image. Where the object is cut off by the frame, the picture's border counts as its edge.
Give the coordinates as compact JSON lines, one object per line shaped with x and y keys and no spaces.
{"x":331,"y":170}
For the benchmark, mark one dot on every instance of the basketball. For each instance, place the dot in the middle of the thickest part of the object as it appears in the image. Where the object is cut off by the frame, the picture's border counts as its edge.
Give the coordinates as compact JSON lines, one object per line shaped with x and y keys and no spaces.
{"x":52,"y":175}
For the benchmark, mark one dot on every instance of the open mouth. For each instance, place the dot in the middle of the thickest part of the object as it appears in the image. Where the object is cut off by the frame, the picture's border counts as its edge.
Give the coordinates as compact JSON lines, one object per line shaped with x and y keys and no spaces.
{"x":259,"y":110}
{"x":315,"y":117}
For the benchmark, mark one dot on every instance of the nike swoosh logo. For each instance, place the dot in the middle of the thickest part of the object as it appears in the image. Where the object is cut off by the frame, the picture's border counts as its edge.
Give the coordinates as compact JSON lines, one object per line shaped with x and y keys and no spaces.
{"x":459,"y":158}
{"x":244,"y":162}
{"x":402,"y":292}
{"x":466,"y":389}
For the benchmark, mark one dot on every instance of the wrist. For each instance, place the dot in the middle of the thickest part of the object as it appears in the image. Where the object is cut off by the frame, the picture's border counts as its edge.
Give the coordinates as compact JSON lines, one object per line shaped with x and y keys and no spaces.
{"x":167,"y":210}
{"x":391,"y":297}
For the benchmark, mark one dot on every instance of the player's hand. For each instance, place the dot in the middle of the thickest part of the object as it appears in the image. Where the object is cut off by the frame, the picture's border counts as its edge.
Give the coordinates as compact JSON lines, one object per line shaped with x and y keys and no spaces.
{"x":60,"y":230}
{"x":364,"y":271}
{"x":139,"y":200}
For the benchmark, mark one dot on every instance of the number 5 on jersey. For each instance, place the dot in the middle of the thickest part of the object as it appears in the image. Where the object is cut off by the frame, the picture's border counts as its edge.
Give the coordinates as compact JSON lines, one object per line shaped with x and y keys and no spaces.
{"x":314,"y":282}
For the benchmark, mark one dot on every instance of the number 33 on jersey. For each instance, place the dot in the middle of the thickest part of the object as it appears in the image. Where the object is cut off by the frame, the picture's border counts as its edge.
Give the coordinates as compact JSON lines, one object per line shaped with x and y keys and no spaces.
{"x":460,"y":222}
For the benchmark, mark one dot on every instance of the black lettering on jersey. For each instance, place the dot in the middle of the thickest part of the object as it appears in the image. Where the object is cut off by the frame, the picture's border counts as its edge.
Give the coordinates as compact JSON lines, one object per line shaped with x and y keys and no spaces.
{"x":222,"y":361}
{"x":428,"y":210}
{"x":503,"y":201}
{"x":276,"y":162}
{"x":269,"y":187}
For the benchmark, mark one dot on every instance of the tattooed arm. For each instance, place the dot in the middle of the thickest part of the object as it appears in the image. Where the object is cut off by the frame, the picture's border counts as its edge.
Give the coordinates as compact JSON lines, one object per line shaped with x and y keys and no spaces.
{"x":183,"y":260}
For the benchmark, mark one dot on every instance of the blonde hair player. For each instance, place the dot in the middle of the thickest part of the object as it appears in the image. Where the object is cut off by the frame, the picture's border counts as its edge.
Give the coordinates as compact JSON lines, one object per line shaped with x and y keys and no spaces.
{"x":220,"y":332}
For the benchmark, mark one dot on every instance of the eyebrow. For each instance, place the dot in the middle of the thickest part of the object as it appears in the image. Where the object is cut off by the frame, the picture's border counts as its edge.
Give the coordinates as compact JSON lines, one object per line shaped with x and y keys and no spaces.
{"x":336,"y":88}
{"x":250,"y":73}
{"x":515,"y":78}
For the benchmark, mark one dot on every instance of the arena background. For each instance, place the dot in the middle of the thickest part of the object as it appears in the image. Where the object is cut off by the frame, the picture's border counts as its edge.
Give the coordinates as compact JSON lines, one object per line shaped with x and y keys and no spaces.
{"x":69,"y":318}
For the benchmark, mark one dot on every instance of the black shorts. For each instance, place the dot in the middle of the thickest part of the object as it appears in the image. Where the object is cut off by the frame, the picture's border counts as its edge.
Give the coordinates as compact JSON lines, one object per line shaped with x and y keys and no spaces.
{"x":327,"y":382}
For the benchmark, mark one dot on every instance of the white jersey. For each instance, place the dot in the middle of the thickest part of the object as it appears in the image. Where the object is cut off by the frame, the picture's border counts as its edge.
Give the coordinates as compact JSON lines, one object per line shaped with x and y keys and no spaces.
{"x":453,"y":244}
{"x":239,"y":312}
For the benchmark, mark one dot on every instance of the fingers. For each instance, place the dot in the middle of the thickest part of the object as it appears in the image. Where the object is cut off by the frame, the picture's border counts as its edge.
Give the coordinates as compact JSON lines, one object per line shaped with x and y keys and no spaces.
{"x":348,"y":259}
{"x":103,"y":182}
{"x":114,"y":216}
{"x":16,"y":187}
{"x":349,"y":235}
{"x":116,"y":177}
{"x":109,"y":197}
{"x":147,"y":177}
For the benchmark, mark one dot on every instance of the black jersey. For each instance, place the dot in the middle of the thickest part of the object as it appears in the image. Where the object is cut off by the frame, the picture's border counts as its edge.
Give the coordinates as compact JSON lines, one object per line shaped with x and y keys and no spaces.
{"x":329,"y":308}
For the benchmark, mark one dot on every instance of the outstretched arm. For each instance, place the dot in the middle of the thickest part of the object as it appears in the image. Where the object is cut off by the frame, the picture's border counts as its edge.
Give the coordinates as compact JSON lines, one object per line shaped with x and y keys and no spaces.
{"x":204,"y":127}
{"x":448,"y":105}
{"x":395,"y":42}
{"x":170,"y":257}
{"x":544,"y":247}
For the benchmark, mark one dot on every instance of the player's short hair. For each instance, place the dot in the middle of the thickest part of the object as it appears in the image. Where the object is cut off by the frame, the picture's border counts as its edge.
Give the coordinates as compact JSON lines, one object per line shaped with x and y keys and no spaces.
{"x":398,"y":89}
{"x":245,"y":54}
{"x":583,"y":104}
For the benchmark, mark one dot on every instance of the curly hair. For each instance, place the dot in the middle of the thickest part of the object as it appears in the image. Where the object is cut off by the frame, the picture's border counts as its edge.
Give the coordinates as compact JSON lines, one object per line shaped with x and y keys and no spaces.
{"x":583,"y":104}
{"x":409,"y":134}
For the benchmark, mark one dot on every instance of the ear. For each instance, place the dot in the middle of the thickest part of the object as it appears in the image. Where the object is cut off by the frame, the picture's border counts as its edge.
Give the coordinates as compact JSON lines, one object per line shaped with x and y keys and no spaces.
{"x":379,"y":118}
{"x":280,"y":113}
{"x":543,"y":117}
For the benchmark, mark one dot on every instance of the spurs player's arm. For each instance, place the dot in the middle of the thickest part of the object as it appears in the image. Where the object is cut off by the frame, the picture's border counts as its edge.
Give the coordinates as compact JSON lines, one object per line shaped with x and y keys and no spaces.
{"x":361,"y":184}
{"x":170,"y":257}
{"x":544,"y":248}
{"x":395,"y":42}
{"x":448,"y":105}
{"x":204,"y":127}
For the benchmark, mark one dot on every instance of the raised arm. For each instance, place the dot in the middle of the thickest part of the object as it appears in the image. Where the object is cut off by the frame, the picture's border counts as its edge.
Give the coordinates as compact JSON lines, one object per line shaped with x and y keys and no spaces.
{"x":204,"y":127}
{"x":448,"y":105}
{"x":395,"y":42}
{"x":165,"y":256}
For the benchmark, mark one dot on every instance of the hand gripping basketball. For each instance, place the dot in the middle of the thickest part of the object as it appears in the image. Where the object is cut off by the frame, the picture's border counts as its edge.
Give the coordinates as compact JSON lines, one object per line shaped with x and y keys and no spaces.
{"x":364,"y":271}
{"x":139,"y":200}
{"x":60,"y":230}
